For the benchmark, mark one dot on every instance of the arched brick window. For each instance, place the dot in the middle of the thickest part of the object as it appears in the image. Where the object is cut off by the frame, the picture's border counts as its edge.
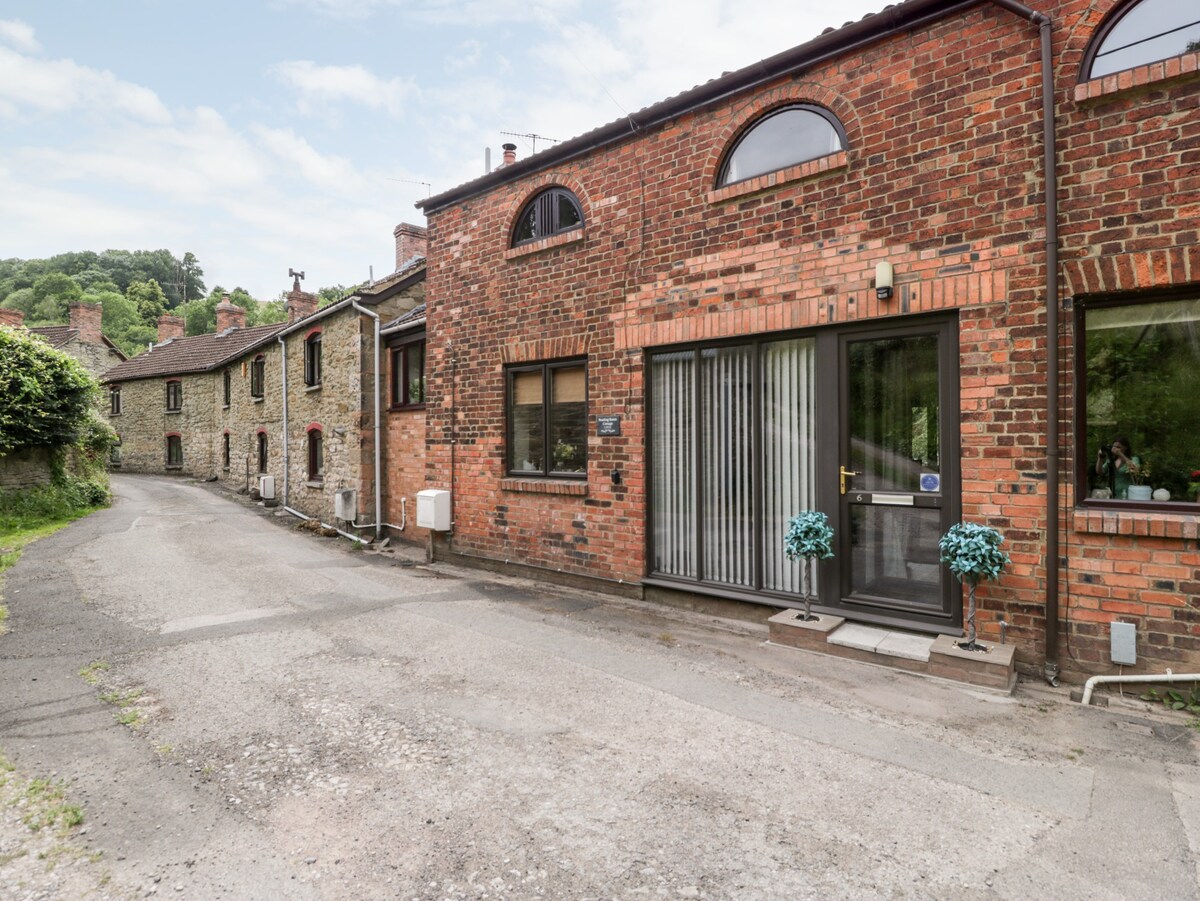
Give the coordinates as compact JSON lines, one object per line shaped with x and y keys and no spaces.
{"x":783,"y":137}
{"x":1141,"y":32}
{"x":552,"y":212}
{"x":174,"y":450}
{"x":262,"y":450}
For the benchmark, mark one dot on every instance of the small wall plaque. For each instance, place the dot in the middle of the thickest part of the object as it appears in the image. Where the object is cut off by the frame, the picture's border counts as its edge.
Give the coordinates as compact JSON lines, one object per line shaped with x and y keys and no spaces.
{"x":608,"y":425}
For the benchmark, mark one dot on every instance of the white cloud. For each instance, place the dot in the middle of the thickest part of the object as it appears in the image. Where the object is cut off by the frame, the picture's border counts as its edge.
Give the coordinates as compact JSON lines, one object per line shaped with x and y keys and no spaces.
{"x":445,"y":12}
{"x":469,"y":55}
{"x":329,"y":173}
{"x":322,"y":86}
{"x":59,"y":86}
{"x":18,"y":34}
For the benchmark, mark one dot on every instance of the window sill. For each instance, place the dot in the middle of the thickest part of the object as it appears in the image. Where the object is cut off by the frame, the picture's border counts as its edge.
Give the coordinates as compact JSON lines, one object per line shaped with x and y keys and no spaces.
{"x":781,"y":177}
{"x":1138,"y":76}
{"x":576,"y":488}
{"x":256,"y":400}
{"x":573,"y":236}
{"x":111,"y":413}
{"x":405,"y":408}
{"x":315,"y":483}
{"x":180,"y":410}
{"x":1137,"y":521}
{"x":309,"y":389}
{"x":174,"y":466}
{"x":224,"y":406}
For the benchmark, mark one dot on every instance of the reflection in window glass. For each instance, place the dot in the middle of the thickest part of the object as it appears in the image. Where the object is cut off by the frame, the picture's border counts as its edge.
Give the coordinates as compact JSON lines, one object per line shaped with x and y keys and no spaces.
{"x":1147,"y":32}
{"x":526,"y":437}
{"x":1142,"y":390}
{"x":785,"y":138}
{"x":568,"y":419}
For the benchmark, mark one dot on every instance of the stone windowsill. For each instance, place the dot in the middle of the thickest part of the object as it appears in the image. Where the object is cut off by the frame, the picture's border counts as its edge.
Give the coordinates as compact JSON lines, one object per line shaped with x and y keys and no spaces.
{"x":1138,"y":76}
{"x":315,"y":483}
{"x":575,"y":487}
{"x":571,"y":237}
{"x":1149,"y":523}
{"x":174,"y":466}
{"x":760,"y":183}
{"x":309,"y":389}
{"x":257,"y":400}
{"x":168,"y":410}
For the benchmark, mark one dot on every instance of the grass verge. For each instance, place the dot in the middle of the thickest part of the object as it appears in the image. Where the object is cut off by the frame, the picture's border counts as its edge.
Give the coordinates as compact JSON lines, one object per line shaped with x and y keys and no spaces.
{"x":26,"y":516}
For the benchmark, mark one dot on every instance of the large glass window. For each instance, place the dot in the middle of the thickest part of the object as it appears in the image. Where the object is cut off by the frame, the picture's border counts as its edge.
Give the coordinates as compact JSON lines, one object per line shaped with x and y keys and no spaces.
{"x":408,"y":375}
{"x":727,"y":475}
{"x":547,"y":419}
{"x":1140,"y":365}
{"x":553,"y":211}
{"x":785,"y":137}
{"x":174,"y":396}
{"x":1144,"y":32}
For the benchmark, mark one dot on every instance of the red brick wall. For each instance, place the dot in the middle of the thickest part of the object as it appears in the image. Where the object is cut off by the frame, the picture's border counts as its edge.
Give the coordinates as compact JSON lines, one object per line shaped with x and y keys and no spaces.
{"x":942,"y":177}
{"x":404,"y":461}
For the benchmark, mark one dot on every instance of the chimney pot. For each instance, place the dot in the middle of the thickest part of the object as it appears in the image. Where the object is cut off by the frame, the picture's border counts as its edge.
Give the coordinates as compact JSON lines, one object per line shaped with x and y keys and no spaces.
{"x":510,"y":154}
{"x":229,"y":315}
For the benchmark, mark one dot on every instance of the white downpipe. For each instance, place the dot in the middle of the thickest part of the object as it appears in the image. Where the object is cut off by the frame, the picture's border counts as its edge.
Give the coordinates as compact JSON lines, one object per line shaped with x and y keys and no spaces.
{"x":378,"y":453}
{"x":283,"y":348}
{"x":324,"y":525}
{"x":1168,"y":677}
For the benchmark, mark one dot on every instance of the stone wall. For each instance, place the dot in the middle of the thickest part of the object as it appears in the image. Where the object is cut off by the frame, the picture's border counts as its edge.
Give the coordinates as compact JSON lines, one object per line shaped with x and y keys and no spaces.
{"x":245,"y":417}
{"x":26,"y":467}
{"x":97,"y":358}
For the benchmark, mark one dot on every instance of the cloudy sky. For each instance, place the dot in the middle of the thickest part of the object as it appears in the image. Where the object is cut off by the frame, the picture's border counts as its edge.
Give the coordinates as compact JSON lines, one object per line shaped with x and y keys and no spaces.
{"x":297,"y":133}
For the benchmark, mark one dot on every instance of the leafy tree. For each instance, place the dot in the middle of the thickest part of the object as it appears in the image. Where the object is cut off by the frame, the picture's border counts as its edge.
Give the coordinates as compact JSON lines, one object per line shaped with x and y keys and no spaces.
{"x":52,"y":295}
{"x":46,"y":396}
{"x":121,"y":322}
{"x":149,"y":299}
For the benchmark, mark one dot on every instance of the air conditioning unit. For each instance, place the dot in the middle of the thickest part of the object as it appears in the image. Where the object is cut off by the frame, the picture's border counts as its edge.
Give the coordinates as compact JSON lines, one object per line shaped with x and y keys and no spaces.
{"x":345,"y":504}
{"x":266,"y":487}
{"x":433,"y":510}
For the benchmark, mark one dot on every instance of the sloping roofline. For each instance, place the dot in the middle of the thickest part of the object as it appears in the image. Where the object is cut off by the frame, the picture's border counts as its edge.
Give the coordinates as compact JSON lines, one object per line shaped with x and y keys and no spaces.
{"x":832,"y":43}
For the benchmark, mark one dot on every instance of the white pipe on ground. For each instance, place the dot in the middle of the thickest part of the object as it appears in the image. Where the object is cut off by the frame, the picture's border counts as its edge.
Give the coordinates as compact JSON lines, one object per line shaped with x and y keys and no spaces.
{"x":1168,"y":677}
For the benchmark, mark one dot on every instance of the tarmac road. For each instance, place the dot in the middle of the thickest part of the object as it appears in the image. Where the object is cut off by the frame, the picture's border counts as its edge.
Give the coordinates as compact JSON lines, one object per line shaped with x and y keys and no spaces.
{"x":310,"y":722}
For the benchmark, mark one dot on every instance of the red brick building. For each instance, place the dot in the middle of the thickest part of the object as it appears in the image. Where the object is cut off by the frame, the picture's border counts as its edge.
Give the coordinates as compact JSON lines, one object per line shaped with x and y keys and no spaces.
{"x":653,"y":344}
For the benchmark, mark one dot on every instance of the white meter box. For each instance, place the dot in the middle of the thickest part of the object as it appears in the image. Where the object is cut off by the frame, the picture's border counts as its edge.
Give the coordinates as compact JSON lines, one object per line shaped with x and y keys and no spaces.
{"x":433,"y":509}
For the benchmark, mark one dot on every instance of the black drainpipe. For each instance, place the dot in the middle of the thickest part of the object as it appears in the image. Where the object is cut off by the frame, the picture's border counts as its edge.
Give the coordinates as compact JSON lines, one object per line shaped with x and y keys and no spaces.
{"x":1050,"y":667}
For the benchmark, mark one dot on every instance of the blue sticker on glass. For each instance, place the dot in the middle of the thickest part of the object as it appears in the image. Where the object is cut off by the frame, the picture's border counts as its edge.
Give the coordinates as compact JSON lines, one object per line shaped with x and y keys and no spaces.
{"x":931,"y":481}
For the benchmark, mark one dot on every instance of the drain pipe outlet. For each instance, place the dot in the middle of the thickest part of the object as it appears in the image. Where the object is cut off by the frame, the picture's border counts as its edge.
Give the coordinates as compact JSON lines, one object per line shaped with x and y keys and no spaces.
{"x":1168,"y":677}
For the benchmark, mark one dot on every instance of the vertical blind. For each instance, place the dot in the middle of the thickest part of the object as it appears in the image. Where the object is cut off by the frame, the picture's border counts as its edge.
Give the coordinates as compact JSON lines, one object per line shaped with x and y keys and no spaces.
{"x":756,"y":463}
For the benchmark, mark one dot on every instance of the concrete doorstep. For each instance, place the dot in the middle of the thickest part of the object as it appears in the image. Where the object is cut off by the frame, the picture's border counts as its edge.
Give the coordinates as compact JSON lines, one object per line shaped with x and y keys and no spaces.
{"x":932,"y":656}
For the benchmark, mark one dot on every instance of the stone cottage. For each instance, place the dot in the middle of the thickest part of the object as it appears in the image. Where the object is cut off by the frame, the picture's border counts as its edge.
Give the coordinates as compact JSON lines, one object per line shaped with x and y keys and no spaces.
{"x":82,"y":338}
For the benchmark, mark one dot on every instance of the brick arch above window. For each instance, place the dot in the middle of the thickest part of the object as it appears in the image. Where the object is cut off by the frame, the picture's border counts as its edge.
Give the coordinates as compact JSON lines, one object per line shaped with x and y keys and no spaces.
{"x":1138,"y":33}
{"x":520,"y":203}
{"x":754,"y":110}
{"x":1119,"y":273}
{"x":261,"y":430}
{"x":314,"y":427}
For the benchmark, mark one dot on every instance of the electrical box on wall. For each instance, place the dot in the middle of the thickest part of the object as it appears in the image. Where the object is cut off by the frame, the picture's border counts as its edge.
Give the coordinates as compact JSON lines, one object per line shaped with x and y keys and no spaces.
{"x":345,"y":504}
{"x":266,"y":487}
{"x":433,"y":509}
{"x":1124,"y":643}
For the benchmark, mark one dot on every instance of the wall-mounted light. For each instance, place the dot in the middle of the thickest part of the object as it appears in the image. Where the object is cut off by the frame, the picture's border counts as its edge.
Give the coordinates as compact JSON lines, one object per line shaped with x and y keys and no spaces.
{"x":883,"y":281}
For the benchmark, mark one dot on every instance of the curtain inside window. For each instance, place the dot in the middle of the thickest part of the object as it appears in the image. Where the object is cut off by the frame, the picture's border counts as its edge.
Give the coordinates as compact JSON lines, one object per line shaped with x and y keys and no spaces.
{"x":673,"y":447}
{"x":727,"y":433}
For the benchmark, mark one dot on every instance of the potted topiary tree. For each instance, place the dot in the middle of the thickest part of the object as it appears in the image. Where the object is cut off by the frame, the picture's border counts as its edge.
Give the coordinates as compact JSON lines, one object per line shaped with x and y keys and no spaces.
{"x":809,"y":537}
{"x":972,"y":552}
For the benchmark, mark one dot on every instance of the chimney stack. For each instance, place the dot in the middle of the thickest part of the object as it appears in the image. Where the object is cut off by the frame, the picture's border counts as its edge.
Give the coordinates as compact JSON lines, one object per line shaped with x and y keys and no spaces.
{"x":229,"y":315}
{"x":510,"y":154}
{"x":11,"y":318}
{"x":169,"y":327}
{"x":411,"y":241}
{"x":300,"y":304}
{"x":85,"y":319}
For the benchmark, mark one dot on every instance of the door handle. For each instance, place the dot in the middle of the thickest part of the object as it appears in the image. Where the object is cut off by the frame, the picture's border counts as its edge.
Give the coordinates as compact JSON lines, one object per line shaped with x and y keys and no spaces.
{"x":842,"y":473}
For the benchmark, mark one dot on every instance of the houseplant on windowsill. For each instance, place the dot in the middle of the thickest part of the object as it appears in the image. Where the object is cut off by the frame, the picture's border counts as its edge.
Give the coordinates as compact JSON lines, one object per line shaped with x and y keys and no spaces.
{"x":1139,"y":477}
{"x":809,"y":537}
{"x":972,"y":551}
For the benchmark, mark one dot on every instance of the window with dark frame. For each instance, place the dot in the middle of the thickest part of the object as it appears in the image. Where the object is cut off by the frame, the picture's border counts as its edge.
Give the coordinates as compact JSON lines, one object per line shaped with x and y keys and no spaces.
{"x":1138,"y":368}
{"x":312,"y":360}
{"x":782,"y":138}
{"x":174,"y":450}
{"x":227,"y":387}
{"x":408,"y":375}
{"x":552,"y":212}
{"x":258,"y":376}
{"x":262,"y":451}
{"x":1145,"y":31}
{"x":316,"y":456}
{"x":174,"y":396}
{"x":225,"y":453}
{"x":114,"y":400}
{"x":547,"y":419}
